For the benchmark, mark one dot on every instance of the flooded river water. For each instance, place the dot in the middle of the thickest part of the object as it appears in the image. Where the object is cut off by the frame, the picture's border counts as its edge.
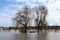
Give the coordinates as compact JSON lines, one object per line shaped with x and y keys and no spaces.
{"x":16,"y":35}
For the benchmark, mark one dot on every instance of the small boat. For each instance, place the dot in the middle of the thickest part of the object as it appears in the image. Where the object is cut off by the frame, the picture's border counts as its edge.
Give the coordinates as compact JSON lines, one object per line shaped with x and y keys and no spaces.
{"x":32,"y":31}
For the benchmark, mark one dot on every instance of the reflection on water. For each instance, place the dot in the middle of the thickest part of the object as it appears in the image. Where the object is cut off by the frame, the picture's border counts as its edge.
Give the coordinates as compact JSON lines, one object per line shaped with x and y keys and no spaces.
{"x":15,"y":35}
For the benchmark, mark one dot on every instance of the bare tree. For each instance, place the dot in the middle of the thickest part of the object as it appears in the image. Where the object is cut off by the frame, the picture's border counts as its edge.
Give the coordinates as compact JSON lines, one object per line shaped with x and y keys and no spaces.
{"x":22,"y":17}
{"x":44,"y":12}
{"x":41,"y":17}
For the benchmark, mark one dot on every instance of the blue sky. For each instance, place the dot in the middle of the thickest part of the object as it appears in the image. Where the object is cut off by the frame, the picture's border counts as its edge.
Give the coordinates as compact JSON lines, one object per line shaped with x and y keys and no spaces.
{"x":8,"y":8}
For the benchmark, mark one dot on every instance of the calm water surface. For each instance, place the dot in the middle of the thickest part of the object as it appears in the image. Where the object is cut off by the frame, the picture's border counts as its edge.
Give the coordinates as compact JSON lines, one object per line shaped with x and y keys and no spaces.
{"x":16,"y":35}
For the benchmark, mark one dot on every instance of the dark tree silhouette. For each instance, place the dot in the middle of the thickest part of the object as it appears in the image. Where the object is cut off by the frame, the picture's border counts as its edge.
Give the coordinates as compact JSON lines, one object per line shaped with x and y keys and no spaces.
{"x":22,"y":17}
{"x":41,"y":17}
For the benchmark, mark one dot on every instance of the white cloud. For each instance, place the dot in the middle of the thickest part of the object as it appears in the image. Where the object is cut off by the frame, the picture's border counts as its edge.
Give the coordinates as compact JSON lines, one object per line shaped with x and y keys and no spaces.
{"x":57,"y":4}
{"x":41,"y":0}
{"x":53,"y":16}
{"x":5,"y":19}
{"x":6,"y":15}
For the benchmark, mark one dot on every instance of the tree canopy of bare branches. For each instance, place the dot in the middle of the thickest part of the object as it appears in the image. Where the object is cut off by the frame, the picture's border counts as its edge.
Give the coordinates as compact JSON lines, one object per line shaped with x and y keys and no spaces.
{"x":24,"y":16}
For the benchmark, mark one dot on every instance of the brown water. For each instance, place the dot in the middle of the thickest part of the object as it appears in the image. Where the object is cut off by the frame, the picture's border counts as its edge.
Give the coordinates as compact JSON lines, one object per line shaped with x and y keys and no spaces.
{"x":16,"y":35}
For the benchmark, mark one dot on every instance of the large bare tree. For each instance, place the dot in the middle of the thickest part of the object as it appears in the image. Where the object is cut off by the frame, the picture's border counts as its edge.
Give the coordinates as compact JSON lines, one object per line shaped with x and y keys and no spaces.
{"x":41,"y":17}
{"x":22,"y":17}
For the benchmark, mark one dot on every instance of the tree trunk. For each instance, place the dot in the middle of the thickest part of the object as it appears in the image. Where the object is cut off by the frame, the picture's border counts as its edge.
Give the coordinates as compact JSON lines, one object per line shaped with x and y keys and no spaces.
{"x":25,"y":28}
{"x":38,"y":28}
